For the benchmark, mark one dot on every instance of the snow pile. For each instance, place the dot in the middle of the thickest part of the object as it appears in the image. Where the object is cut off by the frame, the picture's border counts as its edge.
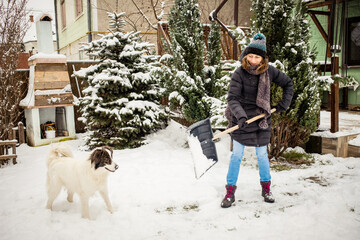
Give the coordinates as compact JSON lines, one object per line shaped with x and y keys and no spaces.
{"x":156,"y":196}
{"x":355,"y":141}
{"x":47,"y":55}
{"x":201,"y":162}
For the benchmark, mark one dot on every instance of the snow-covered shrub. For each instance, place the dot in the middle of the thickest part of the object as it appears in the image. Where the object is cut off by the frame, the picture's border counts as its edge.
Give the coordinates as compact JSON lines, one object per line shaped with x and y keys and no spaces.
{"x":285,"y":25}
{"x":121,"y":103}
{"x":183,"y":73}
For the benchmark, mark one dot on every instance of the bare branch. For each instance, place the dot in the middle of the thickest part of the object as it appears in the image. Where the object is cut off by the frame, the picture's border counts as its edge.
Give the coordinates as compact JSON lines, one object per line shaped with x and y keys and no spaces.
{"x":154,"y":10}
{"x":143,"y":14}
{"x":13,"y":26}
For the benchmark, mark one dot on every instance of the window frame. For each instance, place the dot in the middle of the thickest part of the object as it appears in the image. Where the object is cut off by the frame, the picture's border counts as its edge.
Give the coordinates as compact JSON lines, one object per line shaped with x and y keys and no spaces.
{"x":350,"y":47}
{"x":63,"y":13}
{"x":79,"y":8}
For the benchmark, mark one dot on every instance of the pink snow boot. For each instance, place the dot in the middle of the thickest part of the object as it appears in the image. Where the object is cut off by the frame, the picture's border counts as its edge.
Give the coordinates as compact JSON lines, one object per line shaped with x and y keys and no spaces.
{"x":229,"y":197}
{"x":266,"y":193}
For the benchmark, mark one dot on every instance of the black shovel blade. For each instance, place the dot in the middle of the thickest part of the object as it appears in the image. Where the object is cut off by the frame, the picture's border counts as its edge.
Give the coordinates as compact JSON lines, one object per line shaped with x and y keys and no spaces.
{"x":202,"y":130}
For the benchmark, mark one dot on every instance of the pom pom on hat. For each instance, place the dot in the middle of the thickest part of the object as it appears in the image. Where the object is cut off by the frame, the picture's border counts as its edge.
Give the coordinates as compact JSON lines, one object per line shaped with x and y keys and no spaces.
{"x":259,"y":41}
{"x":259,"y":36}
{"x":257,"y":46}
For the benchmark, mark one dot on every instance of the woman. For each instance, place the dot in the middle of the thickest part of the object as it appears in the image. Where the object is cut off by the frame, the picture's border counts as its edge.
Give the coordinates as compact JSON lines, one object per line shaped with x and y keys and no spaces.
{"x":249,"y":95}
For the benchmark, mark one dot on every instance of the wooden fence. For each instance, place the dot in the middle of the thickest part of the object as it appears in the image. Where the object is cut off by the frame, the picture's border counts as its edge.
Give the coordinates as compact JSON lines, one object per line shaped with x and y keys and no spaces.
{"x":8,"y":147}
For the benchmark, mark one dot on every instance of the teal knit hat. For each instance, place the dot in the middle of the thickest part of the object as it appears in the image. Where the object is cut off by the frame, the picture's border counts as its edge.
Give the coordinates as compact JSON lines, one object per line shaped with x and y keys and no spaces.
{"x":257,"y":46}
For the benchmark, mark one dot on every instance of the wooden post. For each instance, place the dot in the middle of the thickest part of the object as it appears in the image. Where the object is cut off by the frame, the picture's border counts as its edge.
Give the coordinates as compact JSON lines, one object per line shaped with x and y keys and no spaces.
{"x":10,"y":132}
{"x":334,"y":96}
{"x":21,"y":133}
{"x":4,"y":151}
{"x":14,"y":153}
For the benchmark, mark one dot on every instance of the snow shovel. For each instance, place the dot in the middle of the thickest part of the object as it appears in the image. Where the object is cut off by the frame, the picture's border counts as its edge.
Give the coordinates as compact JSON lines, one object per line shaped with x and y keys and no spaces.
{"x":201,"y":143}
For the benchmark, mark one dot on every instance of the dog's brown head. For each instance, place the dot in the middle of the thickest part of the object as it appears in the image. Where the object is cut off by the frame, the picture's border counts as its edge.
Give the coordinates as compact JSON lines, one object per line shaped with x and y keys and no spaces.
{"x":102,"y":157}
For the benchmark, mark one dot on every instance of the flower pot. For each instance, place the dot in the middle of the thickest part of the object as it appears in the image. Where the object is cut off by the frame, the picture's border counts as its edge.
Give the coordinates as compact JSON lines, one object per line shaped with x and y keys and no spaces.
{"x":50,"y":134}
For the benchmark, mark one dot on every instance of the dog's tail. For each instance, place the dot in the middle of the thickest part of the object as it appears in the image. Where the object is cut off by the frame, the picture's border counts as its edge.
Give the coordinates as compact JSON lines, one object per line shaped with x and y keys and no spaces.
{"x":59,"y":150}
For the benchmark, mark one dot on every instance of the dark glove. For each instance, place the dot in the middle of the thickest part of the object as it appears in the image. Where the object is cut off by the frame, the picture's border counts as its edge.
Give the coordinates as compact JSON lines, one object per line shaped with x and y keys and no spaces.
{"x":242,"y":123}
{"x":278,"y":108}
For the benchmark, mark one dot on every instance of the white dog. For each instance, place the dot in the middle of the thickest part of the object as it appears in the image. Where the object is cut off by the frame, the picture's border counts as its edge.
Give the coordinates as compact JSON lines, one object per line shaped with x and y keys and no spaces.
{"x":81,"y":176}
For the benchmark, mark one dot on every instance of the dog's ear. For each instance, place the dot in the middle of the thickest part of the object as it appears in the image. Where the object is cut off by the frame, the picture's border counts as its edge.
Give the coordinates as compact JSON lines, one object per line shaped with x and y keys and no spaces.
{"x":101,"y":157}
{"x":96,"y":158}
{"x":110,"y":150}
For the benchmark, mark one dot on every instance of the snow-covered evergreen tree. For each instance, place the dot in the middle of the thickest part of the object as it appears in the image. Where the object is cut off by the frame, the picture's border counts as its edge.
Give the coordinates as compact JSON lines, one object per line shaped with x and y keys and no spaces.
{"x":184,"y":75}
{"x":121,"y":103}
{"x":186,"y":33}
{"x":274,"y":20}
{"x":216,"y":85}
{"x":285,"y":25}
{"x":213,"y":68}
{"x":222,"y":82}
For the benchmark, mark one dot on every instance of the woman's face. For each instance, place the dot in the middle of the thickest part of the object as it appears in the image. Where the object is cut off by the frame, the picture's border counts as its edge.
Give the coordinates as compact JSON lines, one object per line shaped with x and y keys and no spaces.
{"x":254,"y":59}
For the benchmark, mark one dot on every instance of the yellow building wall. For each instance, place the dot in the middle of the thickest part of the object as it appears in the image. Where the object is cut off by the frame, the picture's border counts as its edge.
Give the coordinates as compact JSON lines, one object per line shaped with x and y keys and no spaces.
{"x":75,"y":33}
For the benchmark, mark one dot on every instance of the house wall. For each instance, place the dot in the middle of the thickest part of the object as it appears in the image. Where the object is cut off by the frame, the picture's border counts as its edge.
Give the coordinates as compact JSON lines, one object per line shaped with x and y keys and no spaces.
{"x":76,"y":30}
{"x":318,"y":42}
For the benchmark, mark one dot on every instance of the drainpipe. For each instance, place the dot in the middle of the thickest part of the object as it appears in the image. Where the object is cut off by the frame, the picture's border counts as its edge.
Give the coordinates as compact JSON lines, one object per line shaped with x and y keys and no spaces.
{"x":89,"y":20}
{"x":56,"y":28}
{"x":213,"y":16}
{"x":236,"y":22}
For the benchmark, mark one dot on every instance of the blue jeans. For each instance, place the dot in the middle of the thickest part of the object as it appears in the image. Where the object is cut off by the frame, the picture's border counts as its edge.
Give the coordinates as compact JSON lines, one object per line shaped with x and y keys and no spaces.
{"x":235,"y":161}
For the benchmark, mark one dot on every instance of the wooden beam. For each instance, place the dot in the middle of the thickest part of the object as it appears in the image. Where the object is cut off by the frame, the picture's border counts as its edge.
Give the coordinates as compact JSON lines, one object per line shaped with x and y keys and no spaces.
{"x":47,"y":76}
{"x":164,"y":35}
{"x":43,"y":67}
{"x":319,"y":26}
{"x":9,"y":156}
{"x":55,"y":99}
{"x":51,"y":85}
{"x":319,"y":12}
{"x":318,"y":4}
{"x":321,"y":29}
{"x":321,"y":4}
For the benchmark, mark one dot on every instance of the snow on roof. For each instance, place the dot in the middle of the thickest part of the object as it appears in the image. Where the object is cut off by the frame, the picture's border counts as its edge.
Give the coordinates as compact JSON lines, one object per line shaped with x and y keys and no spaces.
{"x":355,"y":141}
{"x":46,"y":55}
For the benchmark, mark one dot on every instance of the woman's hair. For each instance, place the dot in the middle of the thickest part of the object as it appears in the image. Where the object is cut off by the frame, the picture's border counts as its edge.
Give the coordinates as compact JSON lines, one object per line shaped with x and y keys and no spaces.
{"x":264,"y":64}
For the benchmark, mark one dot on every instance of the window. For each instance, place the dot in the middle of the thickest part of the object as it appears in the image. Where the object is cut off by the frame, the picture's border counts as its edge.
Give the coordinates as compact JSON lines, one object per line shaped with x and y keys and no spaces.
{"x":353,"y":41}
{"x":63,"y":13}
{"x":81,"y":54}
{"x":79,"y":7}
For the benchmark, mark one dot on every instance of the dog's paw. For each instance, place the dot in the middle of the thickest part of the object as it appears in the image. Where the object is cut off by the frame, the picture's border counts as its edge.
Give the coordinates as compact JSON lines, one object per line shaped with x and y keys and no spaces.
{"x":111,"y":210}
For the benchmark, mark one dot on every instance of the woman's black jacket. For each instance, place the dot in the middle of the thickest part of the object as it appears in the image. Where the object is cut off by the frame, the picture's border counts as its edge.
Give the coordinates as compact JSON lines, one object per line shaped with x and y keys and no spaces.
{"x":242,"y":103}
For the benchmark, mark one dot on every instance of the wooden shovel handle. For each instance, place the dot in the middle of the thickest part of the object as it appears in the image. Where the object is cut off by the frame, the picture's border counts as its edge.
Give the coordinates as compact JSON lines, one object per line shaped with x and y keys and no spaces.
{"x":229,"y":130}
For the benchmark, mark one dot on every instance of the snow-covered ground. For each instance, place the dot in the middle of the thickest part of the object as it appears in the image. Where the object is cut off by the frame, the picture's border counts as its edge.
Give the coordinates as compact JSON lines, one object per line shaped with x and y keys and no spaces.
{"x":156,"y":196}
